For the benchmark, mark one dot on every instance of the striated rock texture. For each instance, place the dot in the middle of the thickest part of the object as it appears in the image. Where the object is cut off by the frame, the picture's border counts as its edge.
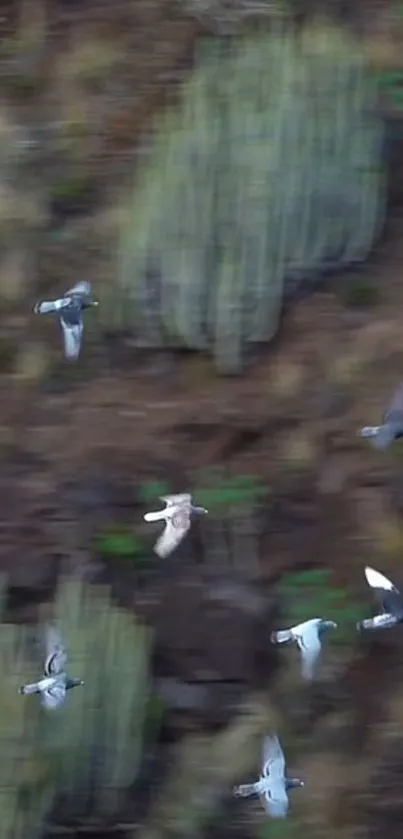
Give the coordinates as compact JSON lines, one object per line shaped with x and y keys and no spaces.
{"x":268,"y":173}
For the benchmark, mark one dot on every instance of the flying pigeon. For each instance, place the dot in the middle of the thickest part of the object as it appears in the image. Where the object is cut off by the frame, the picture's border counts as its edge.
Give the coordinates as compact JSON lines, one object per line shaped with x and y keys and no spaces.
{"x":176,"y":515}
{"x":307,"y":635}
{"x":70,"y":309}
{"x":273,"y":784}
{"x":391,"y":600}
{"x":55,"y":682}
{"x":392,"y":426}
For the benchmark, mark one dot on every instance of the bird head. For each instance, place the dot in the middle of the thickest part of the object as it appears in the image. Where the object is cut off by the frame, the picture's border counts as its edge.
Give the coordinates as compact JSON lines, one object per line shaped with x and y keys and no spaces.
{"x":73,"y":683}
{"x":94,"y":303}
{"x":331,"y":625}
{"x":200,"y":511}
{"x":294,"y":782}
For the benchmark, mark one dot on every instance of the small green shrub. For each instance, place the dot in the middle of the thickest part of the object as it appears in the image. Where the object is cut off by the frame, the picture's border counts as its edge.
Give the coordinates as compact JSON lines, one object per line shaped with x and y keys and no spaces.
{"x":22,"y":85}
{"x":72,"y":194}
{"x":223,"y":491}
{"x":8,"y":355}
{"x":279,"y":829}
{"x":391,"y":85}
{"x":360,"y":292}
{"x":153,"y":490}
{"x":118,"y":541}
{"x":216,"y":490}
{"x":153,"y":716}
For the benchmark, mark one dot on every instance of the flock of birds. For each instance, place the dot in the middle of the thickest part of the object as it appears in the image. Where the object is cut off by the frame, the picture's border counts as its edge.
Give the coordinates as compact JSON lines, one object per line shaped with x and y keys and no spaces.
{"x":273,"y":784}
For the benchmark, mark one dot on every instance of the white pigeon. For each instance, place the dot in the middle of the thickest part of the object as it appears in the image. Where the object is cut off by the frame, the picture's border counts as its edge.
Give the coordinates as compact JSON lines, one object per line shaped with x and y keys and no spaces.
{"x":273,"y":784}
{"x":390,"y":598}
{"x":55,"y":682}
{"x":307,"y":636}
{"x":382,"y":436}
{"x":70,"y":308}
{"x":177,"y":517}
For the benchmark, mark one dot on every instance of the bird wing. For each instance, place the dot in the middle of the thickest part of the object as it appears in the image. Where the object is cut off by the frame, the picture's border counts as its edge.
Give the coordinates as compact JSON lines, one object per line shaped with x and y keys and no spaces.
{"x":55,"y":652}
{"x":394,"y":412}
{"x":83,"y":288}
{"x":54,"y":696}
{"x":377,"y":580}
{"x":32,"y":687}
{"x":386,"y":434}
{"x":170,"y":538}
{"x":308,"y":640}
{"x":386,"y":591}
{"x":179,"y":499}
{"x":72,"y":333}
{"x":275,"y":801}
{"x":273,"y":758}
{"x":44,"y":307}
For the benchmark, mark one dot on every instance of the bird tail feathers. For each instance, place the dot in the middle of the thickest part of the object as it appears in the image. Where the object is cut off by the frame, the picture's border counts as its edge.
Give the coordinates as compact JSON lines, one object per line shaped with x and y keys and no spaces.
{"x":244,"y":790}
{"x":384,"y":621}
{"x":283,"y":636}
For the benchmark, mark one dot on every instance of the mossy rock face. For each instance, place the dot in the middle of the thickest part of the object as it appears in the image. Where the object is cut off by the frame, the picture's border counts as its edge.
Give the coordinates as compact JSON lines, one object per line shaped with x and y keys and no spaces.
{"x":268,"y":172}
{"x":106,"y":717}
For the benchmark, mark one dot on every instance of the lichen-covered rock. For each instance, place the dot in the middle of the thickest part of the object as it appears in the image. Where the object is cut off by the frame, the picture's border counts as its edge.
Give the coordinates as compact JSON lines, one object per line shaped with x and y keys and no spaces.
{"x":269,"y":172}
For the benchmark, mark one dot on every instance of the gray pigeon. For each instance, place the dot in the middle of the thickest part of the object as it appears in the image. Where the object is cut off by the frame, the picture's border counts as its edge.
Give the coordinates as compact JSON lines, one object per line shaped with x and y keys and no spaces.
{"x":70,"y":308}
{"x":307,"y":635}
{"x":391,"y":600}
{"x":177,"y":517}
{"x":273,"y":784}
{"x":392,"y":425}
{"x":55,"y":682}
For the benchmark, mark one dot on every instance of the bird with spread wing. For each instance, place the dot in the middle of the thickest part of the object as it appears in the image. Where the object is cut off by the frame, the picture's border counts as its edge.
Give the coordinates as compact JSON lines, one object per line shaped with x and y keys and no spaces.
{"x":70,"y":308}
{"x":273,"y":783}
{"x":177,"y":516}
{"x":55,"y":682}
{"x":307,"y":636}
{"x":391,"y":428}
{"x":391,"y":602}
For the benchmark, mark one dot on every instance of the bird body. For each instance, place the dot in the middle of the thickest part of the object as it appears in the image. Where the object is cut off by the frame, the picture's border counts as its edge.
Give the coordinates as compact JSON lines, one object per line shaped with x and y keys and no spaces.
{"x":391,"y":428}
{"x":70,"y":308}
{"x":390,"y":598}
{"x":177,"y":517}
{"x":307,"y":636}
{"x":55,"y":682}
{"x":273,"y":784}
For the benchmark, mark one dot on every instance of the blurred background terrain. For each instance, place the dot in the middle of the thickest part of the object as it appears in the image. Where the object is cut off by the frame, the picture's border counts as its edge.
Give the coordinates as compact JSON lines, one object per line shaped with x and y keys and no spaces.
{"x":229,"y":176}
